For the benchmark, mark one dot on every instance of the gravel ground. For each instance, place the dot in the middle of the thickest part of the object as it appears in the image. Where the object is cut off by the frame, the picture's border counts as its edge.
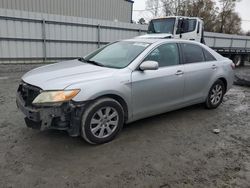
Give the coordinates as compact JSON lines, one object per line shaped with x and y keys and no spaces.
{"x":176,"y":149}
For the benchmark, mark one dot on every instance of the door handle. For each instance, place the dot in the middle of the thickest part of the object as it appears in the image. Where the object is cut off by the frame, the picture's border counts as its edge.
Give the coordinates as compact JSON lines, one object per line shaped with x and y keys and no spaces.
{"x":214,"y":67}
{"x":179,"y":72}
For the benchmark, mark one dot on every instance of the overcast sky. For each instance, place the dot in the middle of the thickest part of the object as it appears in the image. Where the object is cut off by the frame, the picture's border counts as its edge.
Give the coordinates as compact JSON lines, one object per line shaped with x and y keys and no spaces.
{"x":243,"y":8}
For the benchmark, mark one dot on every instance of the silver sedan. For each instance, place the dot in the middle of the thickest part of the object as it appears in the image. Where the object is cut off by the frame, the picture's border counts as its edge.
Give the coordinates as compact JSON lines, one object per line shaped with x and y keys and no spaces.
{"x":120,"y":83}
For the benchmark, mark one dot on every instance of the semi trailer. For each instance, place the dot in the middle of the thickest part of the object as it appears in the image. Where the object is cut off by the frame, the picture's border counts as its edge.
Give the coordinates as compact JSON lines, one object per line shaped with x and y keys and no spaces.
{"x":235,"y":47}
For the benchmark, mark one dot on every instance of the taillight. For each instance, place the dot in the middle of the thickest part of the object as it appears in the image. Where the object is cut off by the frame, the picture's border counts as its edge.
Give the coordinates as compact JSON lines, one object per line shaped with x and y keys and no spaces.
{"x":232,"y":65}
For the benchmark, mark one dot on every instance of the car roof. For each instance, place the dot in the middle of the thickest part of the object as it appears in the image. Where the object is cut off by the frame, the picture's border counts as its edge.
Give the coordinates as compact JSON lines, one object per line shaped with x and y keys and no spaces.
{"x":160,"y":40}
{"x":146,"y":40}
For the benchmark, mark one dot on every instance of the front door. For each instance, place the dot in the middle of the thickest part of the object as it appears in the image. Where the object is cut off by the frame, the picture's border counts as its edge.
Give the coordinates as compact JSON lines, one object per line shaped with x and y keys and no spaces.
{"x":157,"y":91}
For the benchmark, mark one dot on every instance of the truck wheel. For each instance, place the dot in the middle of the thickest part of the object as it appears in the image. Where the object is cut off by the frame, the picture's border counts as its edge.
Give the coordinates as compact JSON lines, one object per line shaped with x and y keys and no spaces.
{"x":244,"y":58}
{"x":215,"y":95}
{"x":102,"y":121}
{"x":237,"y":60}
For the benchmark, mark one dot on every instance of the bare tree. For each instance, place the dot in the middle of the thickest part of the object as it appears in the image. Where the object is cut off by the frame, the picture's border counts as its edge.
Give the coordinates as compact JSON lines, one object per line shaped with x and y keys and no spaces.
{"x":153,"y":6}
{"x":227,"y":9}
{"x":232,"y":24}
{"x":169,"y":7}
{"x":204,"y":9}
{"x":174,"y":7}
{"x":223,"y":20}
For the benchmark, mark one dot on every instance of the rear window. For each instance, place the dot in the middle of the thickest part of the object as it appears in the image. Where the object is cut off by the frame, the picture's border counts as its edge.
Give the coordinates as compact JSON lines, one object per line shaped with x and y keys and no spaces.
{"x":192,"y":53}
{"x":208,"y":56}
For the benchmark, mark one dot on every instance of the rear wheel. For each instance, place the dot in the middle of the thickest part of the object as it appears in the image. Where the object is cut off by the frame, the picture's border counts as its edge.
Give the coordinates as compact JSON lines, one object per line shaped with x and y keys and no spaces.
{"x":102,"y":121}
{"x":215,"y":95}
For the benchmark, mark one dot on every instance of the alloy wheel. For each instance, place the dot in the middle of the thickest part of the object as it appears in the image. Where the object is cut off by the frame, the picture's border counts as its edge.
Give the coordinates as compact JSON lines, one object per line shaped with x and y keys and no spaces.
{"x":104,"y":122}
{"x":216,"y":95}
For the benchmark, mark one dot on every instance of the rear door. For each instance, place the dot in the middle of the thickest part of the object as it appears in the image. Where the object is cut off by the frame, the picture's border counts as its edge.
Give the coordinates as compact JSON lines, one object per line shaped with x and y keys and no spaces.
{"x":199,"y":67}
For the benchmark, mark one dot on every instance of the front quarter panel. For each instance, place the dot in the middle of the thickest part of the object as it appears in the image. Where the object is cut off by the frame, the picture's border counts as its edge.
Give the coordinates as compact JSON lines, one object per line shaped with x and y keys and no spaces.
{"x":118,"y":84}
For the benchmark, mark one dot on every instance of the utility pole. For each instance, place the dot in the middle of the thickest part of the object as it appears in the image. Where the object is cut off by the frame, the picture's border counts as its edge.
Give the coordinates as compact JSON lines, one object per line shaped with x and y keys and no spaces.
{"x":156,"y":8}
{"x":186,"y":7}
{"x":178,"y":7}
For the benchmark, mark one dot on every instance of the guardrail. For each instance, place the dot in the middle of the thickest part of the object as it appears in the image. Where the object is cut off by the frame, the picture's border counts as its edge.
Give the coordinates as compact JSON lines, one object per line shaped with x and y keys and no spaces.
{"x":53,"y":39}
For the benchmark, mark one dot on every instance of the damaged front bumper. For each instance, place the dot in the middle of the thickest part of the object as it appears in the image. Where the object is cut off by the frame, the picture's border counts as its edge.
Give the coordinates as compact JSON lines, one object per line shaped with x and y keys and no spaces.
{"x":65,"y":116}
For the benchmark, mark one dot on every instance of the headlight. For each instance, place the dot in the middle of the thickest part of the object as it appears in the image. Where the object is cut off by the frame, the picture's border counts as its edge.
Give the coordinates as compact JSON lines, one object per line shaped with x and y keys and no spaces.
{"x":55,"y":96}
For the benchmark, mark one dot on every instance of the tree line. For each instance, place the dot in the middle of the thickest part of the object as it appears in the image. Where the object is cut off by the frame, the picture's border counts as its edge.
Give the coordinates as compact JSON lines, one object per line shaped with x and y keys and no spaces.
{"x":221,"y":17}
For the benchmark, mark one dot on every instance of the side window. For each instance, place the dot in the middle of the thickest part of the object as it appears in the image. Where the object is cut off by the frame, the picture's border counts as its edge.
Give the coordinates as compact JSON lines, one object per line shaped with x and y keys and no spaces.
{"x":191,"y":25}
{"x":165,"y":55}
{"x":208,"y":56}
{"x":192,"y":53}
{"x":187,"y":25}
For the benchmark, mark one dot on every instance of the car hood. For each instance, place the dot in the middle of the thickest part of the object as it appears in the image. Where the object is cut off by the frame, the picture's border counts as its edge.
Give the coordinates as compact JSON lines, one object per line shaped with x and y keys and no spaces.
{"x":61,"y":75}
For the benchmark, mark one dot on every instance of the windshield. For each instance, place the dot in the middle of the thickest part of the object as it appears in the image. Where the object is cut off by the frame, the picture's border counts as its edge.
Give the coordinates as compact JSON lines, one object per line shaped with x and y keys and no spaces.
{"x":165,"y":25}
{"x":117,"y":55}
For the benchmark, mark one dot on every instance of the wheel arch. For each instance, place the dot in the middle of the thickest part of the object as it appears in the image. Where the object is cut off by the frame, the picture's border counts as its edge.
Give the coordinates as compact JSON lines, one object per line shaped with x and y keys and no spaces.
{"x":118,"y":99}
{"x":224,"y":82}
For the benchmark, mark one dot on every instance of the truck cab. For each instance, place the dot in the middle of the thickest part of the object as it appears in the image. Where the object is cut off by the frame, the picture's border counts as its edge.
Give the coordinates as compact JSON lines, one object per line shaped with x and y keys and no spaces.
{"x":234,"y":47}
{"x":178,"y":27}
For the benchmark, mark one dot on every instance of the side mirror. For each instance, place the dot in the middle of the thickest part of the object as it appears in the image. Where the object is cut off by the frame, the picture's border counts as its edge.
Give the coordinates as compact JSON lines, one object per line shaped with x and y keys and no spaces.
{"x":198,"y":28}
{"x":184,"y":26}
{"x":149,"y":65}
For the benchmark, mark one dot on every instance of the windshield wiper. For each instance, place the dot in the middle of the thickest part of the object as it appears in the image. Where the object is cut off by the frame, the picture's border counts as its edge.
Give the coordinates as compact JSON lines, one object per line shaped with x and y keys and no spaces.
{"x":91,"y":62}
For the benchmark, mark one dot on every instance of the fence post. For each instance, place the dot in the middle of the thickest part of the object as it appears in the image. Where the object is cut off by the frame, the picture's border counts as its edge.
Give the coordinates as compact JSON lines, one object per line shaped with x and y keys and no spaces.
{"x":44,"y":40}
{"x":231,"y":43}
{"x":99,"y":36}
{"x":246,"y":43}
{"x":214,"y":42}
{"x":139,"y":32}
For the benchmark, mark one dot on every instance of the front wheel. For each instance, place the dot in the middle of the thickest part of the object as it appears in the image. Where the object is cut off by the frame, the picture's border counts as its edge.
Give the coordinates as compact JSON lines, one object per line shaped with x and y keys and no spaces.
{"x":102,"y":121}
{"x":215,"y":95}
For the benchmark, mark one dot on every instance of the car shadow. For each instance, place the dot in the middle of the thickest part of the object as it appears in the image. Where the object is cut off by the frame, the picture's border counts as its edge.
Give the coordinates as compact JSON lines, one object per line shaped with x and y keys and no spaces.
{"x":56,"y":145}
{"x":163,"y":117}
{"x":63,"y":137}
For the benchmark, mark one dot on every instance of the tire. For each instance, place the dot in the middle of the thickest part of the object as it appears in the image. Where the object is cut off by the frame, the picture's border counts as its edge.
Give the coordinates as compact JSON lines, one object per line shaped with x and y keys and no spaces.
{"x":215,"y":95}
{"x":102,"y":121}
{"x":237,"y":60}
{"x":244,"y":58}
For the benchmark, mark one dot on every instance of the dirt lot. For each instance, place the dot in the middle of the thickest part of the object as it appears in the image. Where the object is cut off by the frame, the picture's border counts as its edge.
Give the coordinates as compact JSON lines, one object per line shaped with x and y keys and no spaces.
{"x":176,"y":149}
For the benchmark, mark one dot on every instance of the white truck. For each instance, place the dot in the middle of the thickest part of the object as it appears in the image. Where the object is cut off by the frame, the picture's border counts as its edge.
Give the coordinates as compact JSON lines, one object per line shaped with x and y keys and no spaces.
{"x":235,"y":47}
